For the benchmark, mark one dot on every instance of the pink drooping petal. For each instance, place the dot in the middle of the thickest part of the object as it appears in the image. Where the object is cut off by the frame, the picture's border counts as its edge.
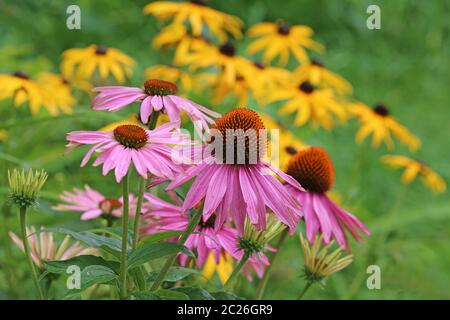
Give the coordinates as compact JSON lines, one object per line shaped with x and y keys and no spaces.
{"x":146,"y":109}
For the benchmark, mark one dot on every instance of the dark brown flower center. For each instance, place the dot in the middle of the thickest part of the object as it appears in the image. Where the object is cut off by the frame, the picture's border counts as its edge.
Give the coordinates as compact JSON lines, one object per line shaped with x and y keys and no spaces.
{"x":313,"y":169}
{"x":131,"y":136}
{"x":316,"y":63}
{"x":227,"y":49}
{"x":291,"y":150}
{"x":306,"y":87}
{"x":381,"y":110}
{"x":284,"y":28}
{"x":156,"y":87}
{"x":199,"y":2}
{"x":259,"y":65}
{"x":240,"y":129}
{"x":21,"y":74}
{"x":108,"y":205}
{"x":101,"y":50}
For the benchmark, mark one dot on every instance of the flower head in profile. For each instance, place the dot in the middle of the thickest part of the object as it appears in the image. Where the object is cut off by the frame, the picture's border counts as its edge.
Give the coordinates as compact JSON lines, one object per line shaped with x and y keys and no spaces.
{"x":128,"y":144}
{"x":312,"y":167}
{"x":83,"y":62}
{"x":416,"y":168}
{"x":377,"y":121}
{"x":44,"y":247}
{"x":319,"y":262}
{"x":156,"y":96}
{"x":93,"y":204}
{"x":234,"y":181}
{"x":318,"y":75}
{"x":198,"y":15}
{"x":310,"y":104}
{"x":281,"y":40}
{"x":24,"y":186}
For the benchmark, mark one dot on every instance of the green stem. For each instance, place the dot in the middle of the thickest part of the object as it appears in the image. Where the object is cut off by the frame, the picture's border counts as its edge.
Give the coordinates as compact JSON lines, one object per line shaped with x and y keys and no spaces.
{"x":123,"y":258}
{"x":137,"y":216}
{"x":193,"y":222}
{"x":263,"y":283}
{"x":26,"y":246}
{"x":235,"y":273}
{"x":153,"y":120}
{"x":300,"y":296}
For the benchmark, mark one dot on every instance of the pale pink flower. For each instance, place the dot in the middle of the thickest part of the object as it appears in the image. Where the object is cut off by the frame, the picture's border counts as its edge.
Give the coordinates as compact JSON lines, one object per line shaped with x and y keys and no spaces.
{"x":128,"y":144}
{"x":93,"y":204}
{"x":157,"y":95}
{"x":43,"y":247}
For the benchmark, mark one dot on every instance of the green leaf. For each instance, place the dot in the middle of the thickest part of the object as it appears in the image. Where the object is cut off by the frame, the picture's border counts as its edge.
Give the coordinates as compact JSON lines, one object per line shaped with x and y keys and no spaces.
{"x":174,"y":274}
{"x":144,"y":295}
{"x":195,"y":293}
{"x":171,"y":295}
{"x":221,"y":295}
{"x":60,"y":267}
{"x":154,"y":251}
{"x":110,"y":245}
{"x":160,"y":237}
{"x":96,"y":274}
{"x":115,"y":232}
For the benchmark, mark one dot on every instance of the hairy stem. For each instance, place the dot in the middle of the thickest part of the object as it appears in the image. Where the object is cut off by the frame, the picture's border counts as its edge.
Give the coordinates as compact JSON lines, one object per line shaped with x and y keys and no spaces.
{"x":307,"y":286}
{"x":235,"y":273}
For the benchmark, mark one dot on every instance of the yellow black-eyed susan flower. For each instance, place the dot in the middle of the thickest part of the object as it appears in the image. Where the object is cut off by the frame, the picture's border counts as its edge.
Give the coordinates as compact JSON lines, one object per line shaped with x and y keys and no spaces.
{"x":198,"y":15}
{"x":286,"y":143}
{"x":224,"y":58}
{"x":223,"y":268}
{"x":378,"y":122}
{"x":316,"y":73}
{"x":240,"y":89}
{"x":280,"y":40}
{"x":21,"y":88}
{"x":414,"y":168}
{"x":57,"y":93}
{"x":311,"y":104}
{"x":83,"y":62}
{"x":264,"y":79}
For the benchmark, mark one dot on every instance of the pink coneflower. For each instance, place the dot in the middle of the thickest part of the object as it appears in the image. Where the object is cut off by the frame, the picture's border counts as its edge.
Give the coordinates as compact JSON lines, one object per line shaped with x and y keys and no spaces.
{"x":147,"y":150}
{"x":313,"y":168}
{"x":44,"y":247}
{"x":157,"y":95}
{"x":161,"y":215}
{"x":93,"y":204}
{"x":236,"y":189}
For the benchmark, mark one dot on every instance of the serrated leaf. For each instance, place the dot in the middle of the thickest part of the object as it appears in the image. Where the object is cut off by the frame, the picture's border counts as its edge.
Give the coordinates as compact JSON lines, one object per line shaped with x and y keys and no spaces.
{"x":154,"y":251}
{"x":174,"y":274}
{"x":195,"y":293}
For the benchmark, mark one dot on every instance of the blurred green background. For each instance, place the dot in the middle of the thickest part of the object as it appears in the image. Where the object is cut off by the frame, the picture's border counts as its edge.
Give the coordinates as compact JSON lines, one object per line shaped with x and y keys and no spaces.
{"x":404,"y":65}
